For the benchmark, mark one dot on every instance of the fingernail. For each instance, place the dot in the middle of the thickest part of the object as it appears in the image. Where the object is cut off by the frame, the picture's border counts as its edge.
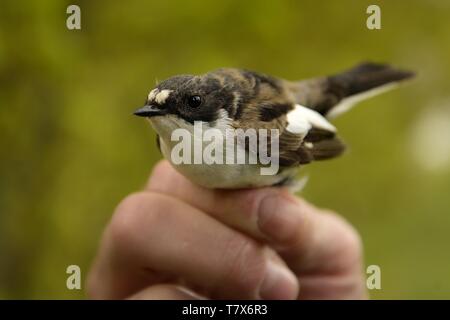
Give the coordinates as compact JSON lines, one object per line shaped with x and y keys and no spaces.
{"x":279,"y":283}
{"x":278,"y":218}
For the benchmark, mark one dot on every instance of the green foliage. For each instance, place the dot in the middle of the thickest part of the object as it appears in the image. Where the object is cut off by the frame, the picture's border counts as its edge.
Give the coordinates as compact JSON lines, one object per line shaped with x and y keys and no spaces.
{"x":71,"y":150}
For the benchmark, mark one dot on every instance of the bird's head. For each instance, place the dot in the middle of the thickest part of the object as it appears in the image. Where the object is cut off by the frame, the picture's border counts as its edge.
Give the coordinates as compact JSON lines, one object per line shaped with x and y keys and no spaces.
{"x":188,"y":98}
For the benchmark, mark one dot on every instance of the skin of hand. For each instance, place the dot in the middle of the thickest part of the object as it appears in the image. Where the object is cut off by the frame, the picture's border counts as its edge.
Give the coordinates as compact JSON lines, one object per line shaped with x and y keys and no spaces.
{"x":176,"y":240}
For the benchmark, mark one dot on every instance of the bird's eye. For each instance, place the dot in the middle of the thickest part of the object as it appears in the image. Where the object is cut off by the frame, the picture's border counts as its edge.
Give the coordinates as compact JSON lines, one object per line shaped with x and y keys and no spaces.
{"x":194,"y":101}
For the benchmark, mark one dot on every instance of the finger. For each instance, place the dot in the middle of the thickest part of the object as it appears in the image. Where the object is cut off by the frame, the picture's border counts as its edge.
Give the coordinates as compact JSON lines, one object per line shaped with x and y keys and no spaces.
{"x":233,"y":207}
{"x":306,"y":237}
{"x":165,"y":292}
{"x":152,"y":235}
{"x":349,"y":286}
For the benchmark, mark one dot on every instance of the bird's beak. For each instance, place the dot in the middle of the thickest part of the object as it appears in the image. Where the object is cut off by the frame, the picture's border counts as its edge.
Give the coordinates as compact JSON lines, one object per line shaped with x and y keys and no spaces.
{"x":150,"y":111}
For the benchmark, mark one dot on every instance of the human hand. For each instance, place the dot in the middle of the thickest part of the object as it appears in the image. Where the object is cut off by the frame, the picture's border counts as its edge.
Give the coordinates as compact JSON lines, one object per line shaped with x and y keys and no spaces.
{"x":176,"y":240}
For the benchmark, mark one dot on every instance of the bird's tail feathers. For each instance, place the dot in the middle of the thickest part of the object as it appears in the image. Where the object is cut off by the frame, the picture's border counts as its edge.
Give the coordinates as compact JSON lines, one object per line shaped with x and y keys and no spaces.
{"x":362,"y":82}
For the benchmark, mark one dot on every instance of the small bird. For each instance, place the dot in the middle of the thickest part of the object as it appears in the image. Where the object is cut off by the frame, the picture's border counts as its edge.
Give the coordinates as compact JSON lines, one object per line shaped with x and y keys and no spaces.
{"x":231,"y":98}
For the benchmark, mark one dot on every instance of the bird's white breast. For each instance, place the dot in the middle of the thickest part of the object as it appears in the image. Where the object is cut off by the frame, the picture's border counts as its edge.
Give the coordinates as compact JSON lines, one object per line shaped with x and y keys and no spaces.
{"x":210,"y":175}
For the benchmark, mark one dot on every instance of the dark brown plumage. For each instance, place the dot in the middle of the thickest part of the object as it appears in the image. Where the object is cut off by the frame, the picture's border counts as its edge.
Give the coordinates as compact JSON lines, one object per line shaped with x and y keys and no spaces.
{"x":324,"y":93}
{"x":262,"y":101}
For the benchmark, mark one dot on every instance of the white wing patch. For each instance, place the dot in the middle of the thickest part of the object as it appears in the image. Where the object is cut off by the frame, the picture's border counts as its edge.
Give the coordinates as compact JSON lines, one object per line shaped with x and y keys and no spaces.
{"x":302,"y":119}
{"x":349,"y":102}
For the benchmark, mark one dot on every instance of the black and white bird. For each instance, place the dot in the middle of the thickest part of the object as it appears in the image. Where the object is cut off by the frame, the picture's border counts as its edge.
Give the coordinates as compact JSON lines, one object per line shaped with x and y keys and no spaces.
{"x":235,"y":98}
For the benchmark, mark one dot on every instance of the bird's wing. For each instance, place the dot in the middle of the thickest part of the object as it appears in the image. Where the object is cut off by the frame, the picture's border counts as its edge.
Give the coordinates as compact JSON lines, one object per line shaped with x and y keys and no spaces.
{"x":307,"y":137}
{"x":304,"y":134}
{"x":330,"y":96}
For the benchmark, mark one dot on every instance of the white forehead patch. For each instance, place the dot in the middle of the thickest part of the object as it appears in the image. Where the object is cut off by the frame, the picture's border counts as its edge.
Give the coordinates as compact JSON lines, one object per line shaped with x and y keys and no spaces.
{"x":162,"y":96}
{"x":152,"y":94}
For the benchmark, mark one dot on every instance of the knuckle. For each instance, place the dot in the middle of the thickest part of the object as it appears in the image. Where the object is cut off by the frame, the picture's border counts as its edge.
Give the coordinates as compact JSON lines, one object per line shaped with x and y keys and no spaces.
{"x":160,"y":169}
{"x":349,"y":238}
{"x":128,"y":217}
{"x":251,"y":200}
{"x":161,"y":174}
{"x":246,"y":265}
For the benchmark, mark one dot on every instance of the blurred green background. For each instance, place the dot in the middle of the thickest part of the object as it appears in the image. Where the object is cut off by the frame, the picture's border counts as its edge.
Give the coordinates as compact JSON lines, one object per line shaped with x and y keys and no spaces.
{"x":71,"y":150}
